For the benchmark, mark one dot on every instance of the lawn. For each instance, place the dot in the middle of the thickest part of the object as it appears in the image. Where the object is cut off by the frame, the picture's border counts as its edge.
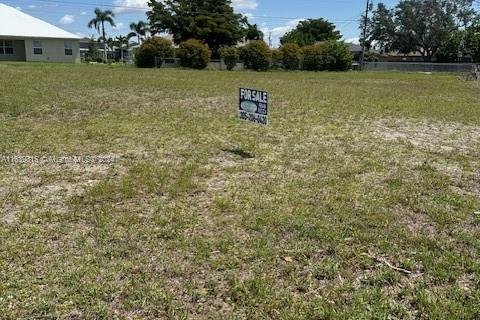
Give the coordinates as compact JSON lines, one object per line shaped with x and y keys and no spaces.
{"x":360,"y":200}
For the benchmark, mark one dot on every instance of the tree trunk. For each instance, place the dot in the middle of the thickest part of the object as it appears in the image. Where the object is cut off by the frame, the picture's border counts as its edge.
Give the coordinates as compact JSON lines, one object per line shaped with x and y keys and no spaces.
{"x":104,"y":43}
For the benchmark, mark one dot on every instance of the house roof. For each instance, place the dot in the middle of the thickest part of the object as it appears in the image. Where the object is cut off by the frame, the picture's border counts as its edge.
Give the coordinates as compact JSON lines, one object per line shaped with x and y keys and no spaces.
{"x":14,"y":23}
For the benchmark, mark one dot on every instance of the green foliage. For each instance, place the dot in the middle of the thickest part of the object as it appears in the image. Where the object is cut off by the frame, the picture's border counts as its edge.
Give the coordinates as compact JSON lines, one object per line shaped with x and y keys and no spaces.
{"x":193,"y":54}
{"x":472,"y":41}
{"x":291,"y":56}
{"x":314,"y":57}
{"x":337,"y":56}
{"x":151,"y":48}
{"x":139,"y":30}
{"x":424,"y":26}
{"x":214,"y":22}
{"x":230,"y":56}
{"x":330,"y":55}
{"x":253,"y":33}
{"x":256,"y":55}
{"x":277,"y":58}
{"x":309,"y":32}
{"x":92,"y":53}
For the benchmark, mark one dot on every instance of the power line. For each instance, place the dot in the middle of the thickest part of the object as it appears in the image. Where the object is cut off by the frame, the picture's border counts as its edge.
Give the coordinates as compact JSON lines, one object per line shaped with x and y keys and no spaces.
{"x":87,"y":4}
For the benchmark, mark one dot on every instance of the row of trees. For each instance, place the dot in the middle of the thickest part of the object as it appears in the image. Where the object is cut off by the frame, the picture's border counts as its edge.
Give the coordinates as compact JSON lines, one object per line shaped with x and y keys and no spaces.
{"x":328,"y":55}
{"x":102,"y":18}
{"x":440,"y":29}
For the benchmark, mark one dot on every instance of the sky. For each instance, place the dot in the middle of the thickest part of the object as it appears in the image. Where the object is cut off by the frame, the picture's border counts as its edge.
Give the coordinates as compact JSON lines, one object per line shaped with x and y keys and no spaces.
{"x":274,"y":17}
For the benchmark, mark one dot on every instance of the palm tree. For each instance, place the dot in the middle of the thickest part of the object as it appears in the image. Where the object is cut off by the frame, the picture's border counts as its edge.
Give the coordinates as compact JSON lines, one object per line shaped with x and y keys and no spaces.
{"x":139,"y":30}
{"x":110,"y":44}
{"x":122,"y":42}
{"x":102,"y":17}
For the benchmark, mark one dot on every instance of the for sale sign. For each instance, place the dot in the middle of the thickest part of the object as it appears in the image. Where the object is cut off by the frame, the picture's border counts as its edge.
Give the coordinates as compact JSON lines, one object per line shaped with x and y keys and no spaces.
{"x":253,"y":106}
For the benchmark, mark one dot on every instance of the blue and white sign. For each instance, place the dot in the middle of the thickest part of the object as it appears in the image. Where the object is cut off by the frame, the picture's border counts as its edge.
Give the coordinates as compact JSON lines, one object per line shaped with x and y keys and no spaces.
{"x":253,"y":106}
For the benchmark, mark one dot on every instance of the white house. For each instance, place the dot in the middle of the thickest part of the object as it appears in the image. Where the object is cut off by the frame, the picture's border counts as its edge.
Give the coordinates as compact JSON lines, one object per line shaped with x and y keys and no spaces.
{"x":25,"y":38}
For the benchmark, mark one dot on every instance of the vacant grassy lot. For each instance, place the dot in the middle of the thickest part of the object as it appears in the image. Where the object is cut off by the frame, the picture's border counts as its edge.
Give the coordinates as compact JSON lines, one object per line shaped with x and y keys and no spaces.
{"x":361,"y":200}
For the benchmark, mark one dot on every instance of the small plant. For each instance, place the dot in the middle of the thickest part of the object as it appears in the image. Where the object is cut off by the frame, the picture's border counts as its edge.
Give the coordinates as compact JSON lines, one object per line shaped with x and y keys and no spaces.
{"x":230,"y":56}
{"x":153,"y":48}
{"x":256,"y":55}
{"x":193,"y":54}
{"x":291,"y":56}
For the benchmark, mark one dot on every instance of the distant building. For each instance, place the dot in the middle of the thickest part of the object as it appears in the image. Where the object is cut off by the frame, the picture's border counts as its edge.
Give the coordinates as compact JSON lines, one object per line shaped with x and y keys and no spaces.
{"x":25,"y":38}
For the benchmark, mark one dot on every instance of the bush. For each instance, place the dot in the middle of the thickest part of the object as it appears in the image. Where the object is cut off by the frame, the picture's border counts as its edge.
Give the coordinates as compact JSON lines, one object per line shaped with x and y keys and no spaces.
{"x":338,"y":56}
{"x":330,"y":55}
{"x":314,"y":58}
{"x":193,"y":54}
{"x":256,"y":55}
{"x":292,"y":56}
{"x":151,"y":48}
{"x":230,"y":56}
{"x":277,"y":58}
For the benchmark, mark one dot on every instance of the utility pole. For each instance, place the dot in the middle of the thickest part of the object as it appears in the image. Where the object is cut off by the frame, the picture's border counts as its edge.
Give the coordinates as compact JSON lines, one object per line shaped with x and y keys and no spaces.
{"x":270,"y":39}
{"x":364,"y":34}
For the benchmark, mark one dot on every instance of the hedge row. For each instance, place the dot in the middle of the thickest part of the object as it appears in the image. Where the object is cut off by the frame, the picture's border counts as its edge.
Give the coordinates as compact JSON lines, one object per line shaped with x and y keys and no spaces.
{"x":256,"y":55}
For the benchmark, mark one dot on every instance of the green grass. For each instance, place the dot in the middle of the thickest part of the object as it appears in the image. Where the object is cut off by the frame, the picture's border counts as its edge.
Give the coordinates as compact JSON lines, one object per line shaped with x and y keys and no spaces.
{"x":203,"y":216}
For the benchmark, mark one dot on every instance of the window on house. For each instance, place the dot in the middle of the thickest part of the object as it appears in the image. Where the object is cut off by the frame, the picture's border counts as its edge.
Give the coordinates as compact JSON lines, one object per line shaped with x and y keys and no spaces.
{"x":37,"y":47}
{"x":68,"y":49}
{"x":6,"y":47}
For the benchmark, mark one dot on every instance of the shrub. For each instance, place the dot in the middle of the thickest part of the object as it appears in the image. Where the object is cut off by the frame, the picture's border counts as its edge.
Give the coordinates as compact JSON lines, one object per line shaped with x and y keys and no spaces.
{"x":338,"y":56}
{"x":292,"y":56}
{"x":193,"y":54}
{"x":151,"y":48}
{"x":256,"y":55}
{"x":277,"y":58}
{"x":230,"y":56}
{"x":314,"y":58}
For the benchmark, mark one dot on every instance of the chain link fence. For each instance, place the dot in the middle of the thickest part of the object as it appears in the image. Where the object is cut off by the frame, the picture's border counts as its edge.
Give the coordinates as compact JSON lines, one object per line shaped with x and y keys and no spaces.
{"x":420,"y":67}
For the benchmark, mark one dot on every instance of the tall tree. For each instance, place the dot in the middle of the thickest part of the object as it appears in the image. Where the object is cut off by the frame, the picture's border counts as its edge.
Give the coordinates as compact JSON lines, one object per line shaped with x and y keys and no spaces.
{"x":98,"y":22}
{"x":253,"y":33}
{"x":309,"y":32}
{"x":424,"y":26}
{"x":212,"y":21}
{"x":381,"y":29}
{"x":122,"y":43}
{"x":139,"y":30}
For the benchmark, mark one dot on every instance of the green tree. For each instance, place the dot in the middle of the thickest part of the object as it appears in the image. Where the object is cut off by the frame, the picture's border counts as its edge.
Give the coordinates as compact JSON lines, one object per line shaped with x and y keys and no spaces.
{"x":337,"y":56}
{"x":98,"y":22}
{"x":309,"y":32}
{"x":193,"y":54}
{"x":256,"y":55}
{"x":253,"y":33}
{"x":424,"y":26}
{"x":230,"y":56}
{"x":122,"y":42}
{"x":214,"y":22}
{"x":139,"y":30}
{"x":291,"y":56}
{"x":154,"y":47}
{"x":381,"y":29}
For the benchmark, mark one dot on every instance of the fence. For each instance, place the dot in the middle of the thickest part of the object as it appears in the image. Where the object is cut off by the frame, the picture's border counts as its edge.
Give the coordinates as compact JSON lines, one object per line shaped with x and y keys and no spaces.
{"x":420,"y":67}
{"x":175,"y":63}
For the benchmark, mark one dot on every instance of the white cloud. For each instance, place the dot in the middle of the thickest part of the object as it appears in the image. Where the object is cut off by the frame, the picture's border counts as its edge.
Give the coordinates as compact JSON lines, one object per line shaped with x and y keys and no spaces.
{"x":32,"y":6}
{"x":83,"y":13}
{"x":67,"y":19}
{"x":355,"y":40}
{"x":119,"y":26}
{"x":123,"y":6}
{"x":245,"y":4}
{"x":277,"y":32}
{"x":18,"y":8}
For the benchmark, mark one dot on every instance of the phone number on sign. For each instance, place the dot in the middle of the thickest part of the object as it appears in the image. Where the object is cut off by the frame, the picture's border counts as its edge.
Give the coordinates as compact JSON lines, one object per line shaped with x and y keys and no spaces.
{"x":253,"y":117}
